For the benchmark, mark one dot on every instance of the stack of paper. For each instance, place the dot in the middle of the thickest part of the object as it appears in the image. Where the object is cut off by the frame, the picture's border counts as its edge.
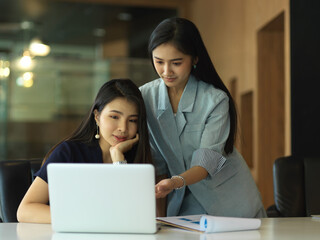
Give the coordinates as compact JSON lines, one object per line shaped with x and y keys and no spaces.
{"x":225,"y":224}
{"x":211,"y":224}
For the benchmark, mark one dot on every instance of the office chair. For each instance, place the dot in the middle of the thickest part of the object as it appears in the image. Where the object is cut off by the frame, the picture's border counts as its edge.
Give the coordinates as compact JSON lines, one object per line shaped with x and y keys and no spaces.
{"x":15,"y":178}
{"x":296,"y":187}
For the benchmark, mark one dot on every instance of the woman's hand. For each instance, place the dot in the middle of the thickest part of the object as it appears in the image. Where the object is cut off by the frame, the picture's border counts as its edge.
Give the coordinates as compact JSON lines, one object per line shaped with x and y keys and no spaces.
{"x":164,"y":187}
{"x":117,"y":151}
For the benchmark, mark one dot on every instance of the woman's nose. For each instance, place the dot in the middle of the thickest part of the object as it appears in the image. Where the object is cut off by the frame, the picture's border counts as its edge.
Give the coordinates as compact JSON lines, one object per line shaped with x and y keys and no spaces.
{"x":122,"y":127}
{"x":166,"y":69}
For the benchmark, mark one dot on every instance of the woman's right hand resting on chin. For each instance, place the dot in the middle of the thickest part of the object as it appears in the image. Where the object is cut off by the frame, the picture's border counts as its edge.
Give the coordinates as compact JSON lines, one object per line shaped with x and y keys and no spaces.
{"x":117,"y":151}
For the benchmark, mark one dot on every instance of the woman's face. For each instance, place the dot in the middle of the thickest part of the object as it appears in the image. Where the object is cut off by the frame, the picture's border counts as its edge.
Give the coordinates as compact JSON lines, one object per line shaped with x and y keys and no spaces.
{"x":118,"y":121}
{"x":172,"y":66}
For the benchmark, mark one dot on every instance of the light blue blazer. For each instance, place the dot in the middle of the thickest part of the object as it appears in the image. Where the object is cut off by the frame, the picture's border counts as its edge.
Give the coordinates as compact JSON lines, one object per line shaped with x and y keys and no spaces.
{"x":196,"y":136}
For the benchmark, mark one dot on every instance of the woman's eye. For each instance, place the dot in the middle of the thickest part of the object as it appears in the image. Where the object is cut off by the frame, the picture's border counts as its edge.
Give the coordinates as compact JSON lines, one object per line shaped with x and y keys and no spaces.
{"x":177,"y":63}
{"x":114,"y":117}
{"x":159,"y":62}
{"x":133,"y":120}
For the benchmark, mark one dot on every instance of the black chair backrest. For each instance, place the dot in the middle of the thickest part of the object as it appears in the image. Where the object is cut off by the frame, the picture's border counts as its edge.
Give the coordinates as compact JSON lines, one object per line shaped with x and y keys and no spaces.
{"x":312,"y":182}
{"x":296,"y":186}
{"x":15,"y":178}
{"x":288,"y":179}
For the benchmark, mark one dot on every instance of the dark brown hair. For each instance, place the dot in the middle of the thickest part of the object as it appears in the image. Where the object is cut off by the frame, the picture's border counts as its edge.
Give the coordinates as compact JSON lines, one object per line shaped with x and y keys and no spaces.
{"x":185,"y":36}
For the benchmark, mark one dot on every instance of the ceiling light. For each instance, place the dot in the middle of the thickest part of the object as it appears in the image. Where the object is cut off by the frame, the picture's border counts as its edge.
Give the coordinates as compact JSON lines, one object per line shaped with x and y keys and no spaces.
{"x":26,"y":25}
{"x":4,"y":69}
{"x":4,"y":72}
{"x":37,"y":48}
{"x":99,"y":32}
{"x":26,"y":80}
{"x":124,"y":16}
{"x":25,"y":61}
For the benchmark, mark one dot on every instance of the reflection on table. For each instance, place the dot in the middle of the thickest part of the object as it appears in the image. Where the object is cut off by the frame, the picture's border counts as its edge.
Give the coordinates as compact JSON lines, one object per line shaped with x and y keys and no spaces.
{"x":271,"y":229}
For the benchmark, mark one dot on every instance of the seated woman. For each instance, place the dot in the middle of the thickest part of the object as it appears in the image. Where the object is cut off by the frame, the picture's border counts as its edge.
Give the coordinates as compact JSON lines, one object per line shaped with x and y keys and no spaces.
{"x":114,"y":131}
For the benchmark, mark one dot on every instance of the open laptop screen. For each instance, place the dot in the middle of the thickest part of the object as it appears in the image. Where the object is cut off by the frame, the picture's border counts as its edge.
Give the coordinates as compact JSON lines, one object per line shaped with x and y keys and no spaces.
{"x":102,"y":197}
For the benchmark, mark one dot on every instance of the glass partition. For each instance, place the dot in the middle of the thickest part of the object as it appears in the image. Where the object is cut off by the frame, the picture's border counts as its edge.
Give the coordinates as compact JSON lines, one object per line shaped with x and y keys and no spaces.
{"x":43,"y":104}
{"x":4,"y":74}
{"x":59,"y":53}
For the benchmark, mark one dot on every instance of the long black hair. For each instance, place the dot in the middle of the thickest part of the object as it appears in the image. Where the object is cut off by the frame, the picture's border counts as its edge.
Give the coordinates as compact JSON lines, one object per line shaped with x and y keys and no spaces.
{"x":123,"y":88}
{"x":185,"y":36}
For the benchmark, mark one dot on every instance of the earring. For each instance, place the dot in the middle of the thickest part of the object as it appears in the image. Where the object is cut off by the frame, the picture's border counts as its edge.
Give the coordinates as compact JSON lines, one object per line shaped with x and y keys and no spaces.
{"x":194,"y":66}
{"x":97,"y":136}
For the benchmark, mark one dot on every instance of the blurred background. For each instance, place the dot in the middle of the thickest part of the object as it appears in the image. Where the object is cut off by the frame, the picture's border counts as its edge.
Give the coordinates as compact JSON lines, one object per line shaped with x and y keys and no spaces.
{"x":54,"y":57}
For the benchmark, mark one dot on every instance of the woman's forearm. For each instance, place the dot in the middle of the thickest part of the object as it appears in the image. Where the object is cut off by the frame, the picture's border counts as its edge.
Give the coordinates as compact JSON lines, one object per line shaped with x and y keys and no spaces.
{"x":192,"y":175}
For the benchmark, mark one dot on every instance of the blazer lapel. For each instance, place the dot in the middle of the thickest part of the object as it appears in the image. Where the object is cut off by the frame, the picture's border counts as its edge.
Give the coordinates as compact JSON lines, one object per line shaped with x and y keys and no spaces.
{"x":186,"y":103}
{"x":181,"y":122}
{"x":169,"y":129}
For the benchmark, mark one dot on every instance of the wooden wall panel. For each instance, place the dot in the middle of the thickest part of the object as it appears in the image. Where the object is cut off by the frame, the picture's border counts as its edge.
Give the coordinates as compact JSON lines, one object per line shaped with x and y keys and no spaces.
{"x":246,"y":125}
{"x":270,"y":103}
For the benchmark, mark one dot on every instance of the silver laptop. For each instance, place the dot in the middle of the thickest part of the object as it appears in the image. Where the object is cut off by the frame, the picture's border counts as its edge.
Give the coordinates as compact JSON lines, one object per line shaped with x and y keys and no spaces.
{"x":102,"y":198}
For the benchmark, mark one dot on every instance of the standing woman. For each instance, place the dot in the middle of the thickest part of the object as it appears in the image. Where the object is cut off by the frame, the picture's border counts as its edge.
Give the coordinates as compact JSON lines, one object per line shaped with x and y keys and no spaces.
{"x":114,"y":131}
{"x":192,"y":123}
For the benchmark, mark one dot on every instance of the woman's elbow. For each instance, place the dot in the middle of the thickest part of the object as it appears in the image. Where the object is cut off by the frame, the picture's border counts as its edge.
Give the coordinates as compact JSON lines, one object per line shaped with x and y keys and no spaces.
{"x":19,"y":213}
{"x":33,"y":213}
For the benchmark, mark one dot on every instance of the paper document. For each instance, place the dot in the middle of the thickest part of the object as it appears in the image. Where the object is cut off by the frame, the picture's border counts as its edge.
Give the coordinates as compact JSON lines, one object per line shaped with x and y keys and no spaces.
{"x":211,"y":224}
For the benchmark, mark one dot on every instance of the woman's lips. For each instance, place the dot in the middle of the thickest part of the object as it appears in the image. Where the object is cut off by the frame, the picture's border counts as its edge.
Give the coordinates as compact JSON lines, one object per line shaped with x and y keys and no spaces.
{"x":120,"y":139}
{"x":169,"y":79}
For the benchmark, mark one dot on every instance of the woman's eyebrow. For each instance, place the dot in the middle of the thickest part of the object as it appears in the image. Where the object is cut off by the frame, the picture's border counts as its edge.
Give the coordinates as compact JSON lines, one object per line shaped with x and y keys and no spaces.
{"x":174,"y":59}
{"x":121,"y":113}
{"x":116,"y":111}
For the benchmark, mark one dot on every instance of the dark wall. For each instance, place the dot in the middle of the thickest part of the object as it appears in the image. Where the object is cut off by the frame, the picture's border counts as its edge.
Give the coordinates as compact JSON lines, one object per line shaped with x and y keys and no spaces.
{"x":141,"y":29}
{"x":305,"y":77}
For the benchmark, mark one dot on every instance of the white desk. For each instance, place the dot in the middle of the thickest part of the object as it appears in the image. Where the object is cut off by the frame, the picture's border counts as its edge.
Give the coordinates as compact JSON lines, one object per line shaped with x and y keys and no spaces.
{"x":271,"y":229}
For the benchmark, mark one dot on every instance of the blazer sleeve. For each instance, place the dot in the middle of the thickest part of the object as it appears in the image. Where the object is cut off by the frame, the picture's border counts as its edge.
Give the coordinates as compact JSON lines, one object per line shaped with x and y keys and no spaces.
{"x":210,"y":154}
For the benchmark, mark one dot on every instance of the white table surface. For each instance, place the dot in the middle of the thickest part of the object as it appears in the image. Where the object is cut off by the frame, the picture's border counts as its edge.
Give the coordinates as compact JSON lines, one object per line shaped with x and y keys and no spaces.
{"x":271,"y":228}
